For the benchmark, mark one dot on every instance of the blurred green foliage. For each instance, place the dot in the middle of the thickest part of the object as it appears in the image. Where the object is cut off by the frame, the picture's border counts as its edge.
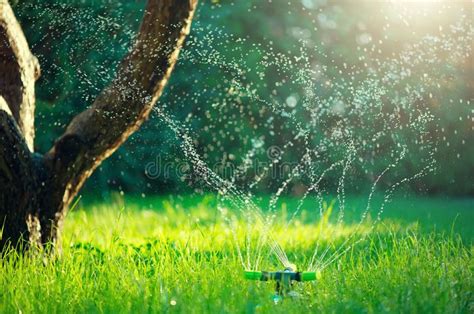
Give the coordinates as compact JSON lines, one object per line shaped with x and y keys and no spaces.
{"x":79,"y":44}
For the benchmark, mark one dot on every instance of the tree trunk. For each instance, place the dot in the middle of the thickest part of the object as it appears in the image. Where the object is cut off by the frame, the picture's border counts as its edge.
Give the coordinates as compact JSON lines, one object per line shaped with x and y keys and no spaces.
{"x":36,"y":190}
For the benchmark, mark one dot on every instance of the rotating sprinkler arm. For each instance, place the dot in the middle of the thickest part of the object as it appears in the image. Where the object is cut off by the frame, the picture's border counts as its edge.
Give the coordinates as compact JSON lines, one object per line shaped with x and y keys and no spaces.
{"x":284,"y":279}
{"x":280,"y":275}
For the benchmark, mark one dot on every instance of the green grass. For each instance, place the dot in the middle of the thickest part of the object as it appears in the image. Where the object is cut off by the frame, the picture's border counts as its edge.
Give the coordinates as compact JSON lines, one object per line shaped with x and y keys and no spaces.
{"x":177,"y":255}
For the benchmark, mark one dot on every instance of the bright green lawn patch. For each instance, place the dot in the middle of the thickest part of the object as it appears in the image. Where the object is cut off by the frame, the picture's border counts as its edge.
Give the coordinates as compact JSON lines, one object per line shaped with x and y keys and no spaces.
{"x":179,"y":257}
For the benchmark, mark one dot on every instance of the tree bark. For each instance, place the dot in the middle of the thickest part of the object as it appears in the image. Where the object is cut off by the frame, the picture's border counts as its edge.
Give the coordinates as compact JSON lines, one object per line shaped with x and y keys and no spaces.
{"x":19,"y":70}
{"x":17,"y":180}
{"x":47,"y":184}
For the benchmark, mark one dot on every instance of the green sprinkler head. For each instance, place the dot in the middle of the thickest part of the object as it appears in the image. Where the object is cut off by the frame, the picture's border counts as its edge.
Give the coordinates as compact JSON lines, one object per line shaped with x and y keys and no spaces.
{"x":284,"y":279}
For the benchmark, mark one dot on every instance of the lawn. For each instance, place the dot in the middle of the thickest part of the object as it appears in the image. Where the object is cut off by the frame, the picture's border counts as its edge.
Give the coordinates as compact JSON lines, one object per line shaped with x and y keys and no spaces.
{"x":177,"y":254}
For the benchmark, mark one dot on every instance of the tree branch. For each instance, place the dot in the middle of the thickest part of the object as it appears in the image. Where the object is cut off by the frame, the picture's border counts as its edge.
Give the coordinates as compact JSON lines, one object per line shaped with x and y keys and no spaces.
{"x":19,"y":69}
{"x":121,"y":108}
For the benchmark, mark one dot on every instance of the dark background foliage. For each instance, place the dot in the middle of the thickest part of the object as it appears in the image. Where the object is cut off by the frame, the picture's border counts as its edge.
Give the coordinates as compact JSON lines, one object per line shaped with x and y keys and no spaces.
{"x":79,"y":44}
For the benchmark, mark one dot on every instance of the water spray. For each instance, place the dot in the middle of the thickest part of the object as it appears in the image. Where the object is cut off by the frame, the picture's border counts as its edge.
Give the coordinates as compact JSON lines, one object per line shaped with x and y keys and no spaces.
{"x":284,"y":279}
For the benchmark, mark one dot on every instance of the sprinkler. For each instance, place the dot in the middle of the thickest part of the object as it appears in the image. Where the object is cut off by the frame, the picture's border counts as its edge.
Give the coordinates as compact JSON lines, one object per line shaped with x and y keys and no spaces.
{"x":284,"y":279}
